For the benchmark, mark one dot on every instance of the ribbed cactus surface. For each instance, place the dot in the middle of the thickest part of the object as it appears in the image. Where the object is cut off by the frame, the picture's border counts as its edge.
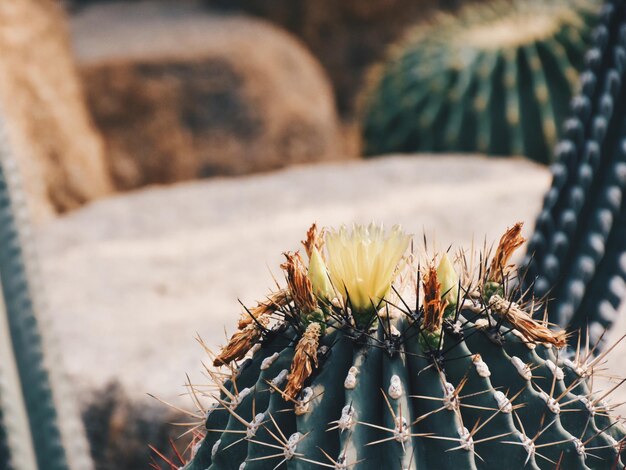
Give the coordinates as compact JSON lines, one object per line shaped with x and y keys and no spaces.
{"x":577,"y":255}
{"x":441,"y":369}
{"x":497,"y":78}
{"x":39,"y":426}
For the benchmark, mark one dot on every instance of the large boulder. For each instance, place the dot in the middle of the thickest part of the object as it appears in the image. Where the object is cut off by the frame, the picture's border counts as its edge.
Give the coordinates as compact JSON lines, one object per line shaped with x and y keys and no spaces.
{"x":49,"y":129}
{"x":123,"y":431}
{"x":180,"y":94}
{"x":347,"y":36}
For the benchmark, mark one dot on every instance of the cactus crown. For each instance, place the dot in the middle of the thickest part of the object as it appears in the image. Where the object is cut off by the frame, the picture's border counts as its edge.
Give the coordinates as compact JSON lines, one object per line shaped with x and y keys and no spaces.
{"x":495,"y":78}
{"x":337,"y":370}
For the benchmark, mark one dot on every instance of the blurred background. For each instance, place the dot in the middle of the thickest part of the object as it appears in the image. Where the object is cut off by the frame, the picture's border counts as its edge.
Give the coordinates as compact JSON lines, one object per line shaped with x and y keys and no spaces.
{"x":172,"y":150}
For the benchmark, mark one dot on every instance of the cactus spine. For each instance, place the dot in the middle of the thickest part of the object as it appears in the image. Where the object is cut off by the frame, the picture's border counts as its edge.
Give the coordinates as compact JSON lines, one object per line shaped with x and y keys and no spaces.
{"x":493,"y":79}
{"x":577,"y":254}
{"x":39,"y":429}
{"x":463,"y":377}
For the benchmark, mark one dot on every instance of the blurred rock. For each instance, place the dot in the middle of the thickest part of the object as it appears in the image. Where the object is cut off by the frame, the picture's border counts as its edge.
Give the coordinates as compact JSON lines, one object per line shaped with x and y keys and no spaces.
{"x":120,"y":429}
{"x":347,"y":36}
{"x":180,"y":94}
{"x":49,"y":128}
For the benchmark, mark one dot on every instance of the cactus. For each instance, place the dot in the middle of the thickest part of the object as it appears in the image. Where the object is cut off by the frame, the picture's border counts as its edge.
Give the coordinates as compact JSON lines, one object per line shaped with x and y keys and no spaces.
{"x":339,"y":369}
{"x":578,"y":251}
{"x":497,"y":78}
{"x":39,"y":428}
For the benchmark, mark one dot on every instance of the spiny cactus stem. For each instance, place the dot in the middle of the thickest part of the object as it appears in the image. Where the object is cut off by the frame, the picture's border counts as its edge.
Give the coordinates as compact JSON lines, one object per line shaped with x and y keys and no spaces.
{"x":57,"y":440}
{"x":578,"y":242}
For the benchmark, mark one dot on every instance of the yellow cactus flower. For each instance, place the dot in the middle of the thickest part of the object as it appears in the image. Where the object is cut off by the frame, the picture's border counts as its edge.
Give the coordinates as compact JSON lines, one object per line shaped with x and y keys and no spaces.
{"x":362,"y":264}
{"x":318,"y":275}
{"x":449,"y":280}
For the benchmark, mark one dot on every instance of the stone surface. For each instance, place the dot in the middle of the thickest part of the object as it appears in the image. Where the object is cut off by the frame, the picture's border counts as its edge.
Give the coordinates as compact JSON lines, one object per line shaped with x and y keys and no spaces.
{"x":121,"y":429}
{"x":132,"y":279}
{"x":49,"y":128}
{"x":180,"y":93}
{"x":347,"y":36}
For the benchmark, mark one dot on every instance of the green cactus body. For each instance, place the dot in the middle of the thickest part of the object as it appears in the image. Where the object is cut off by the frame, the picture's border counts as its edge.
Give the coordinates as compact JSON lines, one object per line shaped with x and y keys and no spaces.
{"x":39,"y":426}
{"x":493,"y":79}
{"x":497,"y":388}
{"x":576,"y":255}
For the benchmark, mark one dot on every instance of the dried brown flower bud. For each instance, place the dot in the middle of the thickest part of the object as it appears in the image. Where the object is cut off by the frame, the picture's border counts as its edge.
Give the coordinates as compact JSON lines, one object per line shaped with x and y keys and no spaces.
{"x":304,"y":360}
{"x":510,"y":241}
{"x":314,"y":239}
{"x":275,"y":301}
{"x":434,"y":305}
{"x":300,"y":287}
{"x":532,"y":329}
{"x":242,"y":341}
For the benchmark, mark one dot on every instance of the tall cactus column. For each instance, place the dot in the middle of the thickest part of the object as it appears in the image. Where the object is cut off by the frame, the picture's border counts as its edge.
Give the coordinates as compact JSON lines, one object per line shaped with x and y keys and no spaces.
{"x":577,"y":255}
{"x":39,"y":427}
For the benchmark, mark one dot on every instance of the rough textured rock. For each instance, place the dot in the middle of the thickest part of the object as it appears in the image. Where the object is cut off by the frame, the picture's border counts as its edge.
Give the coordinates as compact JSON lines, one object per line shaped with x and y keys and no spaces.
{"x":121,"y":429}
{"x":180,"y":94}
{"x":347,"y":36}
{"x":60,"y":152}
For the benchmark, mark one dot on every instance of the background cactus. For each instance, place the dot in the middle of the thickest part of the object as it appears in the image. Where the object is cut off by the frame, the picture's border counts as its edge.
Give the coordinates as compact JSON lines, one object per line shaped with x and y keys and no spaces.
{"x":497,"y":78}
{"x":39,"y":427}
{"x":577,"y":255}
{"x":387,"y":385}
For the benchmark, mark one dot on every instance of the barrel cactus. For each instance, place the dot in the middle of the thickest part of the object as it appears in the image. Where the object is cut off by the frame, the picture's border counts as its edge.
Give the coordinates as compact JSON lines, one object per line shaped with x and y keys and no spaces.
{"x":497,"y":78}
{"x":578,"y":251}
{"x":362,"y":361}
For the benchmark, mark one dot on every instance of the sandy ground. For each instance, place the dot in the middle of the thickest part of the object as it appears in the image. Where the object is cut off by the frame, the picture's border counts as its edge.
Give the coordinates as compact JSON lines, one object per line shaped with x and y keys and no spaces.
{"x":132,"y":279}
